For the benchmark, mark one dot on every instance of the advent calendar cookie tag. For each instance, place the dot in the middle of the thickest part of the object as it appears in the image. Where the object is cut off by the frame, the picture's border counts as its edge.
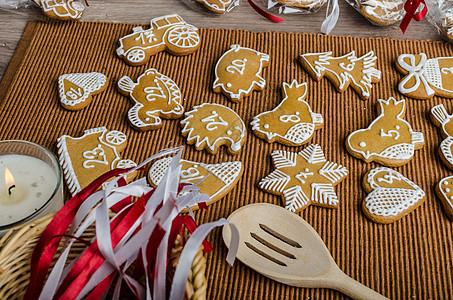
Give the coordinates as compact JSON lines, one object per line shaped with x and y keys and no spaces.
{"x":76,"y":90}
{"x":215,"y":180}
{"x":443,"y":120}
{"x":425,"y":78}
{"x":155,"y":96}
{"x":391,"y":195}
{"x":389,"y":140}
{"x":292,"y":122}
{"x":210,"y":126}
{"x":85,"y":158}
{"x":348,"y":70}
{"x":239,"y":72}
{"x":62,"y":9}
{"x":304,"y":178}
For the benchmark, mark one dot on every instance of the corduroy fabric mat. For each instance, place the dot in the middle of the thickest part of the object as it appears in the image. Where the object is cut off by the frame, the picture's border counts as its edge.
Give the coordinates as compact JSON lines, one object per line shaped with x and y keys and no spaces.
{"x":411,"y":258}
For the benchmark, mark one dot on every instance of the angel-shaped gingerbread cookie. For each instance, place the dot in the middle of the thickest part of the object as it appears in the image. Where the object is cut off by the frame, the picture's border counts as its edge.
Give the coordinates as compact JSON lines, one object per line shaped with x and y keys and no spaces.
{"x":290,"y":123}
{"x":389,"y":140}
{"x":155,"y":96}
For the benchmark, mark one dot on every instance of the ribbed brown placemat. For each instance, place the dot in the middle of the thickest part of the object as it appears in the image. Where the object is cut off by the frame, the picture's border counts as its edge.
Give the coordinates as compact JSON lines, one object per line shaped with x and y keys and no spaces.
{"x":411,"y":258}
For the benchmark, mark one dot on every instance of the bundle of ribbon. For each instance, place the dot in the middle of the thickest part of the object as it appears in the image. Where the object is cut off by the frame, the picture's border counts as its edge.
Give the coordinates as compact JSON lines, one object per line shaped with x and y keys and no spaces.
{"x":139,"y":235}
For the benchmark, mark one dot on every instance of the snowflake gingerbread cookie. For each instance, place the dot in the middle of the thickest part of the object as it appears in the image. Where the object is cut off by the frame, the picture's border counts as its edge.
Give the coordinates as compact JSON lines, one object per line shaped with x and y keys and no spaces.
{"x":444,"y":190}
{"x":425,"y":78}
{"x":76,"y":90}
{"x":389,"y":140}
{"x":217,"y":6}
{"x":239,"y":72}
{"x":443,"y":120}
{"x":391,"y":195}
{"x":348,"y":70}
{"x":155,"y":96}
{"x":210,"y":126}
{"x":304,"y":178}
{"x":85,"y":158}
{"x":170,"y":33}
{"x":215,"y":180}
{"x":291,"y":123}
{"x":62,"y":9}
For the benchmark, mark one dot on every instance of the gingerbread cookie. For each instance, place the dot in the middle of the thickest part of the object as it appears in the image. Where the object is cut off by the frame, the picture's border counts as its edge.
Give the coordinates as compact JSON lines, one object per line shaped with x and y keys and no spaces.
{"x":85,"y":158}
{"x":215,"y":180}
{"x":448,"y":24}
{"x":344,"y":71}
{"x":304,"y":178}
{"x":291,"y":123}
{"x":217,"y":6}
{"x":389,"y":140}
{"x":443,"y":120}
{"x":382,"y":12}
{"x":239,"y":72}
{"x":155,"y":96}
{"x":170,"y":33}
{"x":210,"y":126}
{"x":304,"y":4}
{"x":390,"y":197}
{"x":76,"y":90}
{"x":425,"y":78}
{"x":444,"y":191}
{"x":62,"y":9}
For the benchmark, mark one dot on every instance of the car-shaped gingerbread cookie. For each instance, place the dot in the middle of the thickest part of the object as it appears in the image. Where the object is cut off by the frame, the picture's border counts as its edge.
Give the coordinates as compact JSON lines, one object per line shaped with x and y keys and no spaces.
{"x":170,"y":33}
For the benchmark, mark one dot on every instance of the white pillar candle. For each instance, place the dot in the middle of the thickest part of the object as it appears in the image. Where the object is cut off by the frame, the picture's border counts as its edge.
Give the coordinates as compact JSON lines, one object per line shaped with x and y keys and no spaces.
{"x":36,"y":191}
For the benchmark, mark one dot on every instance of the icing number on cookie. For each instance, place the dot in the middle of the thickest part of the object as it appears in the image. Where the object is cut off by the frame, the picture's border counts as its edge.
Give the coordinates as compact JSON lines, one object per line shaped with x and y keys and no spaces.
{"x":391,"y":133}
{"x":212,"y":123}
{"x":97,"y":155}
{"x":74,"y":94}
{"x":237,"y":65}
{"x":154,"y":92}
{"x":388,"y":178}
{"x":190,"y":175}
{"x":290,"y":118}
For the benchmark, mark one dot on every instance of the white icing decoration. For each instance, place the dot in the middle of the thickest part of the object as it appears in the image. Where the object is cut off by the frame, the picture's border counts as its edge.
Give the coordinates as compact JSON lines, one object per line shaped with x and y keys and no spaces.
{"x":219,"y":135}
{"x":445,"y":150}
{"x":237,"y":65}
{"x":392,"y":9}
{"x":299,"y":133}
{"x":219,"y":6}
{"x":441,"y":118}
{"x":295,"y":197}
{"x":155,"y":102}
{"x":212,"y":123}
{"x":367,"y":64}
{"x":257,"y":80}
{"x":391,"y":133}
{"x":362,"y":144}
{"x":388,"y":201}
{"x":401,"y":151}
{"x":87,"y":83}
{"x":64,"y":9}
{"x":90,"y":156}
{"x":447,"y":190}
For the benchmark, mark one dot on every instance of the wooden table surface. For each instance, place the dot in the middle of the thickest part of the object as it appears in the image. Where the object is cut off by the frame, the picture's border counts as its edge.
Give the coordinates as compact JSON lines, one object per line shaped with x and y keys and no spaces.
{"x":350,"y":21}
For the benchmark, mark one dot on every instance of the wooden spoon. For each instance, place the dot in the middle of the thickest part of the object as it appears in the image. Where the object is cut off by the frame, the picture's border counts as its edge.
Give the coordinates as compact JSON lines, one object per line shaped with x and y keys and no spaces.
{"x":284,"y":247}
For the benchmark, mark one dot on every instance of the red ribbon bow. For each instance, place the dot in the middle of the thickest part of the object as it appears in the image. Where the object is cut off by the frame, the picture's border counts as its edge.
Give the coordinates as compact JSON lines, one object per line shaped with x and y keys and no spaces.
{"x":411,"y":7}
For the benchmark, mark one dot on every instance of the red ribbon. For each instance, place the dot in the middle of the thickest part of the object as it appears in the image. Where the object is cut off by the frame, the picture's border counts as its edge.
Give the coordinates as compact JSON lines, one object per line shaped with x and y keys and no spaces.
{"x":411,"y":7}
{"x":265,"y":13}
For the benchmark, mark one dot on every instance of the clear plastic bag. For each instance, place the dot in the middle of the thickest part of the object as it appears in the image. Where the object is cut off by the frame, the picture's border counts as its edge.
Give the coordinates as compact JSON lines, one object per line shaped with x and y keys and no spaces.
{"x":212,"y":6}
{"x":440,"y":15}
{"x":293,"y":6}
{"x":38,"y":9}
{"x":380,"y":12}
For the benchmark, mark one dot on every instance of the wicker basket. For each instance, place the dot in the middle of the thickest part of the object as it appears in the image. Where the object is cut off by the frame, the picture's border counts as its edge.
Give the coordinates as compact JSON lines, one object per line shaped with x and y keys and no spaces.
{"x":17,"y":246}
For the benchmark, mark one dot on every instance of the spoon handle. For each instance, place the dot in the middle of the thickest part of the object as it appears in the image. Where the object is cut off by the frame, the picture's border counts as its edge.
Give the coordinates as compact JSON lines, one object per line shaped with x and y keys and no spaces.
{"x":354,"y":289}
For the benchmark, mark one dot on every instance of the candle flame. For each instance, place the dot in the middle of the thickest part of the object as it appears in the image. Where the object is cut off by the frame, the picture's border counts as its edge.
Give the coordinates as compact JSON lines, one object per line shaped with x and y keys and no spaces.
{"x":9,"y":179}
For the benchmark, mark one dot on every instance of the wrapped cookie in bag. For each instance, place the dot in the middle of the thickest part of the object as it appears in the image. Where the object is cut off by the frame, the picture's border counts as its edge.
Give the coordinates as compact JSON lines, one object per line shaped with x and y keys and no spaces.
{"x":212,"y":6}
{"x":64,"y":10}
{"x":440,"y":15}
{"x":380,"y":12}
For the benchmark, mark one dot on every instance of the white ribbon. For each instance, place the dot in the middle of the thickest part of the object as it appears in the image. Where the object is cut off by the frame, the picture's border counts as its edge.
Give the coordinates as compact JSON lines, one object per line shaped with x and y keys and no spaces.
{"x":332,"y":18}
{"x":416,"y":71}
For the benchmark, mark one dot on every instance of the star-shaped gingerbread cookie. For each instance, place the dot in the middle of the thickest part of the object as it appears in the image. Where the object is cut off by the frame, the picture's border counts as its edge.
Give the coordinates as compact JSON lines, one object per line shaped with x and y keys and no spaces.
{"x":304,"y":178}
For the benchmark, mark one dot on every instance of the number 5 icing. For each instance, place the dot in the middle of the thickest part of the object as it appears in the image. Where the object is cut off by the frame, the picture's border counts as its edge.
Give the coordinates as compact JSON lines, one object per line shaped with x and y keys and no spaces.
{"x":425,"y":78}
{"x":389,"y":140}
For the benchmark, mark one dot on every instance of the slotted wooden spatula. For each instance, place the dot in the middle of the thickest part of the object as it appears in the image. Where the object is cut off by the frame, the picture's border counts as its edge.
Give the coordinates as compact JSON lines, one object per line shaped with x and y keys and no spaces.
{"x":284,"y":247}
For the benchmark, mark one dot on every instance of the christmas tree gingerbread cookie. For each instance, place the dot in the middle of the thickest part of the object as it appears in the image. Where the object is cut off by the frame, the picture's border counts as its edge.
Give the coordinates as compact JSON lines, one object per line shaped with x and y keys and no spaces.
{"x":304,"y":178}
{"x":167,"y":33}
{"x":210,"y":126}
{"x":291,"y":123}
{"x":155,"y":96}
{"x":85,"y":158}
{"x":444,"y":190}
{"x":215,"y":180}
{"x":425,"y":78}
{"x":76,"y":90}
{"x":348,"y":70}
{"x":239,"y":72}
{"x":389,"y":140}
{"x":62,"y":9}
{"x":391,"y":195}
{"x":443,"y":120}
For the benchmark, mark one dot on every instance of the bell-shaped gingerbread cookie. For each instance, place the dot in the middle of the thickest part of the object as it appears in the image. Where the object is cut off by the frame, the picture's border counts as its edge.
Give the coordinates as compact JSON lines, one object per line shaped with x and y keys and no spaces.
{"x":389,"y":140}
